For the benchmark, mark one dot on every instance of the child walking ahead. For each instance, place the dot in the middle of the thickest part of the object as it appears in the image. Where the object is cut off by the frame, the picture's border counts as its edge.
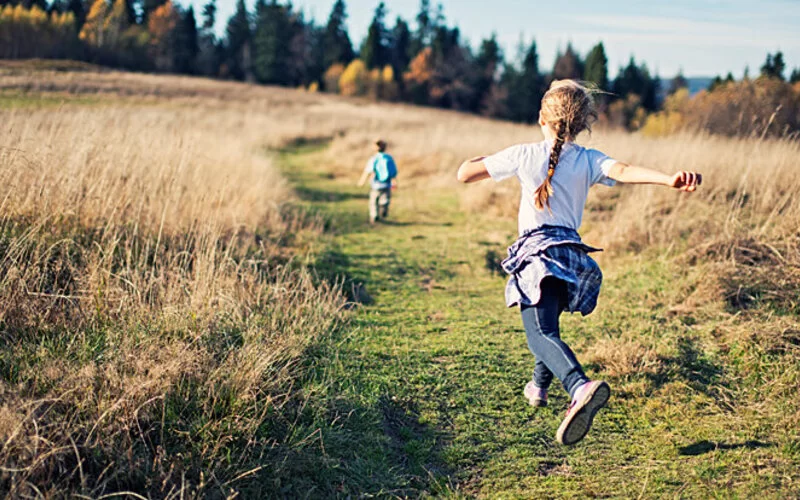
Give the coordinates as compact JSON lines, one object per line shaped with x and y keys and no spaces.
{"x":383,"y":170}
{"x":549,"y":266}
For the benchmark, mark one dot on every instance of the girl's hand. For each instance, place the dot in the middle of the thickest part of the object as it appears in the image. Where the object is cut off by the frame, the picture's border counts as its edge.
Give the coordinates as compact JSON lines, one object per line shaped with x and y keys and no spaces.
{"x":686,"y":181}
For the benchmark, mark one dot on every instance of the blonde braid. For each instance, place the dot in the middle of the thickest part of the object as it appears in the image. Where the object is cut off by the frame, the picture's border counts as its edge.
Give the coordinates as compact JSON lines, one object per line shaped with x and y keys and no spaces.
{"x":568,"y":109}
{"x":544,"y":191}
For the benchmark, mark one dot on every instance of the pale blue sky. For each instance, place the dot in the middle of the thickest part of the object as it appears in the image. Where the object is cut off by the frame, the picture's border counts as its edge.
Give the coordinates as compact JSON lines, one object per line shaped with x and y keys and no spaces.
{"x":704,"y":37}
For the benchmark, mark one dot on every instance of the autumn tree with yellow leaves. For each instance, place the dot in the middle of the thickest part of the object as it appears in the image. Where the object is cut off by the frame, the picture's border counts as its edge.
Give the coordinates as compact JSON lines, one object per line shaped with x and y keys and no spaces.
{"x":33,"y":32}
{"x":161,"y":25}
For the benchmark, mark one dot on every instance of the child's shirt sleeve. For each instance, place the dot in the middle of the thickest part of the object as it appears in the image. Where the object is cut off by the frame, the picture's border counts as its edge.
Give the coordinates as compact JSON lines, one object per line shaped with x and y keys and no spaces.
{"x":600,"y":165}
{"x":504,"y":164}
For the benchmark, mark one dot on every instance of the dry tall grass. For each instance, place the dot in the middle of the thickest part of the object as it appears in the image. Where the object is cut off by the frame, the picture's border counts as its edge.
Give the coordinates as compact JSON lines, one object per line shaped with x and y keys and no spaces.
{"x":151,"y":318}
{"x":749,"y":190}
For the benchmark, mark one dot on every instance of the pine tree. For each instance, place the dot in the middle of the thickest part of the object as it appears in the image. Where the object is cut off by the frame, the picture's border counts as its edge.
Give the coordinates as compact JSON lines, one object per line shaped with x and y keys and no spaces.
{"x":78,"y":10}
{"x":778,"y":64}
{"x":208,"y":55}
{"x":401,"y":48}
{"x":306,"y":51}
{"x":489,"y":59}
{"x":316,"y":42}
{"x":337,"y":45}
{"x":376,"y":51}
{"x":677,"y":83}
{"x":715,"y":83}
{"x":636,"y":80}
{"x":130,"y":11}
{"x":525,"y":87}
{"x":210,"y":16}
{"x":445,"y":42}
{"x":272,"y":43}
{"x":596,"y":67}
{"x":568,"y":65}
{"x":422,"y":37}
{"x":186,"y":43}
{"x":238,"y":42}
{"x":795,"y":77}
{"x":774,"y":66}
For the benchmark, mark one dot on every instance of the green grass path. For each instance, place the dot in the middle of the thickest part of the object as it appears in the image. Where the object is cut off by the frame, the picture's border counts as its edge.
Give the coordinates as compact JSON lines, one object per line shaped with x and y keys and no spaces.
{"x":422,"y":393}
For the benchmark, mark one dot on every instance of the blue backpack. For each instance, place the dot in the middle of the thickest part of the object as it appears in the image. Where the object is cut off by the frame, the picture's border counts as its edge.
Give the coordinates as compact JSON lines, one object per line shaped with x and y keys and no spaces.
{"x":384,"y":168}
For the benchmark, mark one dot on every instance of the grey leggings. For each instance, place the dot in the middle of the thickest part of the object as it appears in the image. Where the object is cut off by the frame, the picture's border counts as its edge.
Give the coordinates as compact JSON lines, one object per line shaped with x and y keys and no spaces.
{"x":379,"y":200}
{"x":553,"y":355}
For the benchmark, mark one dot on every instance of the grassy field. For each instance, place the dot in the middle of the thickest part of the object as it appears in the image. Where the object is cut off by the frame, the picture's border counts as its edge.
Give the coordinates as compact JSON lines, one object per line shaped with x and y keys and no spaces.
{"x":192,"y":304}
{"x":426,"y":388}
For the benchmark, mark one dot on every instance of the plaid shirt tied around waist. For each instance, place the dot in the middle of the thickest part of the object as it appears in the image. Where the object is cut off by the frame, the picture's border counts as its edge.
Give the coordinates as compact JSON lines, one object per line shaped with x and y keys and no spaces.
{"x":552,"y":251}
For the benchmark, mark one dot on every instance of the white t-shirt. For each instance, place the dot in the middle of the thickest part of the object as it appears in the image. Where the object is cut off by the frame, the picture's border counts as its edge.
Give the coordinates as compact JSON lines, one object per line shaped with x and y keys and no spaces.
{"x":578,"y":169}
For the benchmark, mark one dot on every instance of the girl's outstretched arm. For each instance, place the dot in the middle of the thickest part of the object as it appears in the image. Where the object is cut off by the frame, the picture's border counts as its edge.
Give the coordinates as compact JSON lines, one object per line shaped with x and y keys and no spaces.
{"x":473,"y":170}
{"x":628,"y":174}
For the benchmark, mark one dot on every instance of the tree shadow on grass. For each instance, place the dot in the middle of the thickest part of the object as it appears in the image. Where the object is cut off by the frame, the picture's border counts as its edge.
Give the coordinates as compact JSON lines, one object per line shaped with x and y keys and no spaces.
{"x":390,"y":222}
{"x":692,"y":366}
{"x":334,"y":266}
{"x":315,"y":195}
{"x":413,"y":444}
{"x":356,"y":450}
{"x":705,"y":446}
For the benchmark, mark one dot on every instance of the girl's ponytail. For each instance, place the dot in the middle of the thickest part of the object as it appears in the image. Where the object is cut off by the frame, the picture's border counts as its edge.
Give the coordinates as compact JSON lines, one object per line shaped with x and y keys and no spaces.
{"x":544,"y":191}
{"x":568,"y":110}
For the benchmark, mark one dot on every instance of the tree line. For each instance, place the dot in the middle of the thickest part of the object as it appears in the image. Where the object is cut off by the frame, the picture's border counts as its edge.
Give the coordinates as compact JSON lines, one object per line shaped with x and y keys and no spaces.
{"x":425,"y":62}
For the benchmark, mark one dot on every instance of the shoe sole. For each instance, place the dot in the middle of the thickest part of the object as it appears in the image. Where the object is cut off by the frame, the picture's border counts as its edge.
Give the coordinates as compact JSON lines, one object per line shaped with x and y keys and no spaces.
{"x":576,"y":426}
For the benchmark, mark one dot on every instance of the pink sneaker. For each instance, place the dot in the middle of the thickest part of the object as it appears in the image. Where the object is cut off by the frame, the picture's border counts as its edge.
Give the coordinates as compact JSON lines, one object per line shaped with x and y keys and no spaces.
{"x":536,"y":396}
{"x":589,"y":400}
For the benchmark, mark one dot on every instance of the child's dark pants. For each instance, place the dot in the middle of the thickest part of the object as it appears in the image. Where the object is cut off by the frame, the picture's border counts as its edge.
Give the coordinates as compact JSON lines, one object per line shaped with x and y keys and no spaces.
{"x":553,"y":356}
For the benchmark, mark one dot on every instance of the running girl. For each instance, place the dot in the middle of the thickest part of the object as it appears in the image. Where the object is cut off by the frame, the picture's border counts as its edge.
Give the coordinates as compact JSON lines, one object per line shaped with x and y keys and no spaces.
{"x":549,"y":266}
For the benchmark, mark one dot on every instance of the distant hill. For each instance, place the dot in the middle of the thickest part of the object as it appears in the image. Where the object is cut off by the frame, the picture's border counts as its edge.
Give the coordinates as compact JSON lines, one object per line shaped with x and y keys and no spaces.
{"x":696,"y":84}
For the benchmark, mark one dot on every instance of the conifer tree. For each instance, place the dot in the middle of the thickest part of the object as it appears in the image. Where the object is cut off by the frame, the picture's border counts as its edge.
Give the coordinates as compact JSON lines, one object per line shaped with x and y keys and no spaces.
{"x":489,"y":59}
{"x":317,"y":43}
{"x":186,"y":43}
{"x":715,"y":83}
{"x":238,"y":42}
{"x":422,"y":37}
{"x":79,"y":11}
{"x":636,"y":80}
{"x":774,"y":66}
{"x":337,"y":45}
{"x":401,"y":47}
{"x":677,"y":83}
{"x":525,"y":87}
{"x":209,"y":54}
{"x":795,"y":77}
{"x":209,"y":16}
{"x":376,"y":51}
{"x":596,"y":67}
{"x":568,"y":65}
{"x":271,"y":43}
